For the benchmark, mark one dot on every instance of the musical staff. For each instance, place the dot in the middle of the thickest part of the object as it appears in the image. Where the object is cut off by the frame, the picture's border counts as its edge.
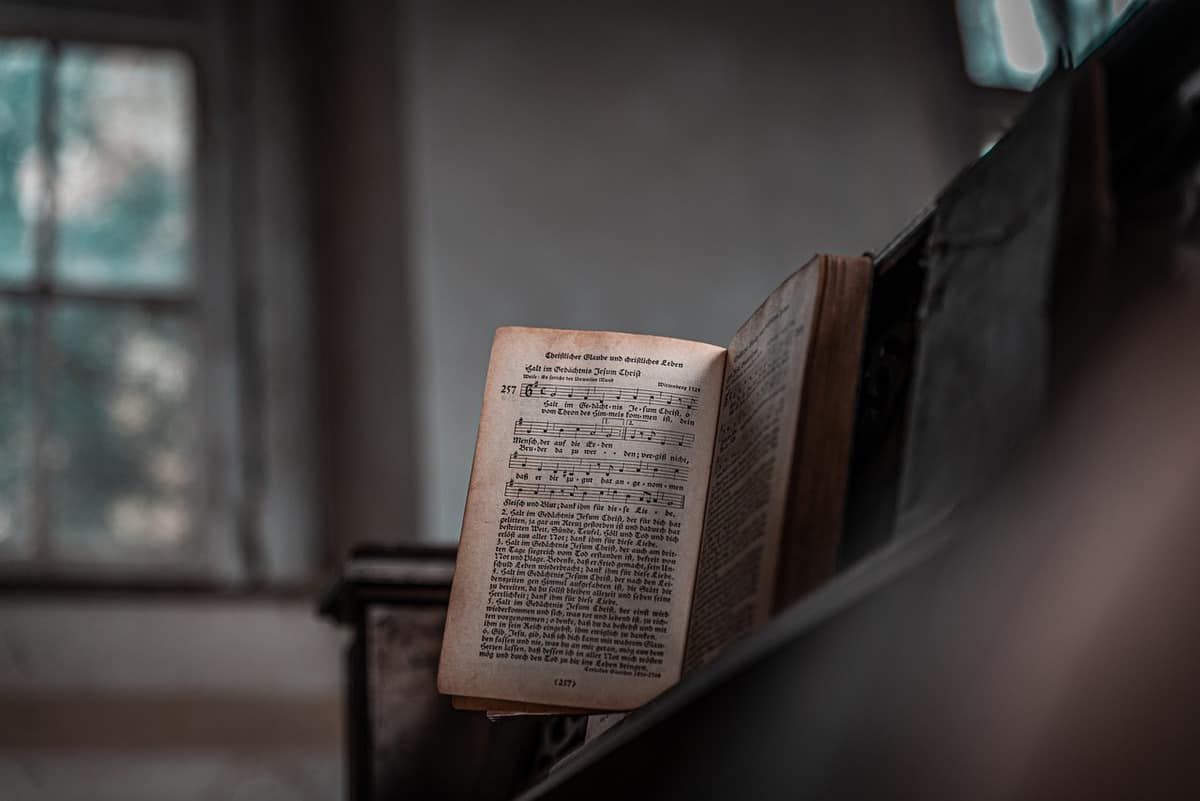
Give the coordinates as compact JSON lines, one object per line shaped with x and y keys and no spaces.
{"x":585,"y":392}
{"x":632,"y":433}
{"x":684,"y":438}
{"x":574,"y":465}
{"x":526,"y":489}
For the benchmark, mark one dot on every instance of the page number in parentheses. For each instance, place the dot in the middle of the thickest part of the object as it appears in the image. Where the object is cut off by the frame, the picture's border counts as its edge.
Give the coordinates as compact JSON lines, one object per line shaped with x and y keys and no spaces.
{"x":508,"y":389}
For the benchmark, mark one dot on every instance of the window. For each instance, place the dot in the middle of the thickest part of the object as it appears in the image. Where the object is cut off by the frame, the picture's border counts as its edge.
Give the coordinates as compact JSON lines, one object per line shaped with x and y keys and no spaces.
{"x":157,"y":414}
{"x":1013,"y":44}
{"x":100,"y":363}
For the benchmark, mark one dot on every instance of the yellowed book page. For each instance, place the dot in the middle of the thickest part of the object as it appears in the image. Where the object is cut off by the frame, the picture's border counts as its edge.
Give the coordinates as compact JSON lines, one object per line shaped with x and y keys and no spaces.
{"x":764,"y":376}
{"x":583,"y":518}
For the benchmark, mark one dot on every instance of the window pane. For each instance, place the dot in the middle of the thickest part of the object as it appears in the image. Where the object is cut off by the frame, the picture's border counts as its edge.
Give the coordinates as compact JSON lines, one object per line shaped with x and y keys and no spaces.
{"x":122,"y":454}
{"x":22,"y":64}
{"x":16,"y":426}
{"x":124,"y":168}
{"x":1006,"y":43}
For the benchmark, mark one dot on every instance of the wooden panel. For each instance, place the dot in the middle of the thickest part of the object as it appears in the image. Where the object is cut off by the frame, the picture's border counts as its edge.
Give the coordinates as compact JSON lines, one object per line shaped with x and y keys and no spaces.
{"x":983,"y":352}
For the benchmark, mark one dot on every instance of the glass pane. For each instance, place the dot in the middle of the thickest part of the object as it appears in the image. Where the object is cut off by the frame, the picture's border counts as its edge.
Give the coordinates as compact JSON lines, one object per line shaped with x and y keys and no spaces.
{"x":16,"y":426}
{"x":122,"y":454}
{"x":124,"y":168}
{"x":22,"y":64}
{"x":1006,"y":43}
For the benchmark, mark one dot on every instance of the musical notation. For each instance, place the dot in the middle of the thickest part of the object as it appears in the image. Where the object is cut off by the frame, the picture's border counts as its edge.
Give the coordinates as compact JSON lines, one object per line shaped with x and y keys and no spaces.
{"x":526,"y":489}
{"x":604,"y":431}
{"x":574,"y":465}
{"x":586,"y":392}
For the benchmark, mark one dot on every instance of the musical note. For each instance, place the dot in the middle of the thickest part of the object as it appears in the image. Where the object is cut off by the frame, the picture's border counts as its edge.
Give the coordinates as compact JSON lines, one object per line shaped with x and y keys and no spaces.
{"x":633,"y":433}
{"x":529,"y":489}
{"x":684,"y":438}
{"x":586,"y":392}
{"x":586,"y":465}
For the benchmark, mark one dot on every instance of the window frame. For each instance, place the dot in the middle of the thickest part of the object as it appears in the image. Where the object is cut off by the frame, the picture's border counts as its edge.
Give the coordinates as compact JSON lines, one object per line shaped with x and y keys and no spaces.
{"x":222,"y":554}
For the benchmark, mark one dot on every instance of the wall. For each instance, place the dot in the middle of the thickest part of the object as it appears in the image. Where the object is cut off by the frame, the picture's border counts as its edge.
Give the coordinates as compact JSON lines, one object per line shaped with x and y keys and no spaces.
{"x":182,"y":699}
{"x":653,"y":168}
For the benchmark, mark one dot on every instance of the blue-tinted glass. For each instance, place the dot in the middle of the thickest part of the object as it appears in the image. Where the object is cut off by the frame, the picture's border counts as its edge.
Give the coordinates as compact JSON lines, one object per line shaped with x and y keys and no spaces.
{"x":123,"y":187}
{"x":1090,"y":21}
{"x":122,"y":454}
{"x":1014,"y":43}
{"x":16,"y":426}
{"x":1005,"y":42}
{"x":22,"y":66}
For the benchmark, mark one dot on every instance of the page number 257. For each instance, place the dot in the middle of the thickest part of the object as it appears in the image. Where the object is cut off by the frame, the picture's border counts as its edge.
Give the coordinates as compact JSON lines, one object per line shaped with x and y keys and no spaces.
{"x":508,"y":389}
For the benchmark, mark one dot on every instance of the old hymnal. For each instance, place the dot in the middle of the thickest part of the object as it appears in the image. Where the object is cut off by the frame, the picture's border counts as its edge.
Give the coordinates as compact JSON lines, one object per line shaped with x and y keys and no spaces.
{"x":639,"y":503}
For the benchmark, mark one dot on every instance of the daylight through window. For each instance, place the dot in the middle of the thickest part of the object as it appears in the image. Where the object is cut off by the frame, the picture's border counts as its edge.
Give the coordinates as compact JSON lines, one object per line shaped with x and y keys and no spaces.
{"x":98,"y":361}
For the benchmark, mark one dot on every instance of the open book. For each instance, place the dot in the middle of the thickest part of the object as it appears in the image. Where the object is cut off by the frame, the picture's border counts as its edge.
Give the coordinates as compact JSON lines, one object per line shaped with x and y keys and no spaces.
{"x":639,"y":503}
